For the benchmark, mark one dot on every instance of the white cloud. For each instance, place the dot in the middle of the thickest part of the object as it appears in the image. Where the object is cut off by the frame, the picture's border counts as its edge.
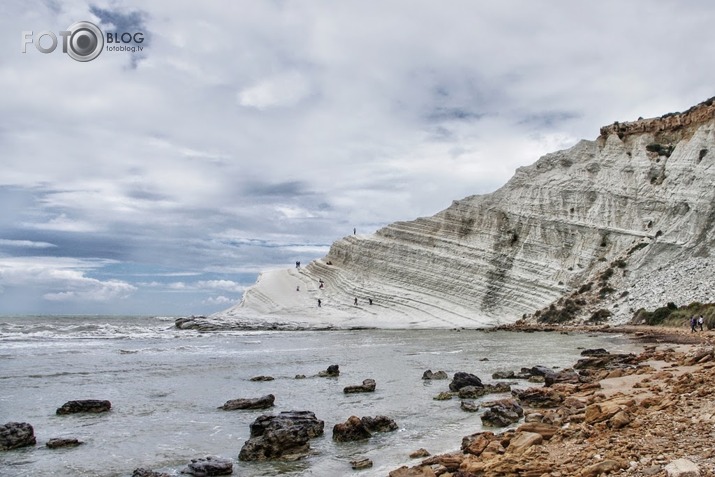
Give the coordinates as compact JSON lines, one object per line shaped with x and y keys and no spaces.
{"x":282,"y":91}
{"x":219,"y":300}
{"x":65,"y":276}
{"x":25,"y":244}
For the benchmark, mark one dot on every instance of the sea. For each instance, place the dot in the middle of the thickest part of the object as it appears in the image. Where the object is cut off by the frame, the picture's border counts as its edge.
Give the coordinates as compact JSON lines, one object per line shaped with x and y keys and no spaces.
{"x":166,"y":385}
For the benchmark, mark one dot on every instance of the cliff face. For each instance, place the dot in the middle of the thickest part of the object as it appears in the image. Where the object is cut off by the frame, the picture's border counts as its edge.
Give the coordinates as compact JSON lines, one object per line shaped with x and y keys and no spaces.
{"x":641,"y":194}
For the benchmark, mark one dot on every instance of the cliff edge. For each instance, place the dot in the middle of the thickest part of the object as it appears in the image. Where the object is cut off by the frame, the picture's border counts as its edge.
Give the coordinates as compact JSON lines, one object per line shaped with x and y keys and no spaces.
{"x":587,"y":233}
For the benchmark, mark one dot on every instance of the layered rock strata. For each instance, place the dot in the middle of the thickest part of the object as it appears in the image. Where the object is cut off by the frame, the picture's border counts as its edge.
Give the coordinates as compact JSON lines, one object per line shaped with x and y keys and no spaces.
{"x":641,"y":193}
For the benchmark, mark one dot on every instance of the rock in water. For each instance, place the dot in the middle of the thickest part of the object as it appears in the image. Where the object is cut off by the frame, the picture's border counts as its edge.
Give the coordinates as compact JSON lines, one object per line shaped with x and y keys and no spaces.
{"x":367,"y":386}
{"x":58,"y":442}
{"x":16,"y":434}
{"x":332,"y":372}
{"x":208,"y":466}
{"x":142,"y":472}
{"x":351,"y":430}
{"x":428,"y":375}
{"x":282,"y":437}
{"x":461,"y":380}
{"x":86,"y":405}
{"x":379,"y":423}
{"x":263,"y":402}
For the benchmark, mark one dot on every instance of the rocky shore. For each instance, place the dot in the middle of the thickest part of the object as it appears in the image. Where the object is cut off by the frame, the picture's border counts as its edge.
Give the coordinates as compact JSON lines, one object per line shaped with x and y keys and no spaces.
{"x":651,"y":415}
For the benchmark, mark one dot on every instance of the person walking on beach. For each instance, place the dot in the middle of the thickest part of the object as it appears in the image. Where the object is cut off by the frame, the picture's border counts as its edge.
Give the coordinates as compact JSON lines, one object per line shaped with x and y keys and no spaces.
{"x":693,"y":322}
{"x":369,"y":300}
{"x":319,"y":302}
{"x":700,"y":322}
{"x":355,"y":301}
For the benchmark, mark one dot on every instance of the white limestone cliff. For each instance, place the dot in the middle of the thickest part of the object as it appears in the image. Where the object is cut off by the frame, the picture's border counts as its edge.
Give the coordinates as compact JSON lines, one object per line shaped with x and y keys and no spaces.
{"x":642,"y":194}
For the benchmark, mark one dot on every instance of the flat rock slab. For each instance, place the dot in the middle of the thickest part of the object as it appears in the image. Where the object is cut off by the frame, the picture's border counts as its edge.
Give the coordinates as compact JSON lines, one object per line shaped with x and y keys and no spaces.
{"x":207,"y":466}
{"x":57,"y":442}
{"x":263,"y":402}
{"x":142,"y":472}
{"x":85,"y":405}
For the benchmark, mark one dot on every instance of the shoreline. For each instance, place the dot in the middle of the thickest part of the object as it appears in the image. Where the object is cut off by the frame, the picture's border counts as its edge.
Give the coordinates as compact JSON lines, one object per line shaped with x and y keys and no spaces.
{"x":653,"y":418}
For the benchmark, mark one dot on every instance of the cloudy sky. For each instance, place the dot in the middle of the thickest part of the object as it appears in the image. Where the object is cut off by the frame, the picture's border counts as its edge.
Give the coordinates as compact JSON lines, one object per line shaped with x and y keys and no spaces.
{"x":248,"y":135}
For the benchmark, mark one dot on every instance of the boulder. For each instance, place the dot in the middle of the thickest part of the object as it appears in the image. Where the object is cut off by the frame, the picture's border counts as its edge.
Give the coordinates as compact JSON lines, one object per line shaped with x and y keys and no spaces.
{"x":351,"y":430}
{"x":502,"y":413}
{"x":421,"y":452}
{"x":85,"y":405}
{"x":565,"y":376}
{"x":593,"y":352}
{"x":379,"y":423}
{"x":282,"y":437}
{"x":262,"y":378}
{"x":58,"y":442}
{"x":546,"y":431}
{"x":604,"y":467}
{"x":438,"y":375}
{"x":472,"y":392}
{"x":16,"y":434}
{"x":522,"y":441}
{"x":538,"y":397}
{"x":462,"y":379}
{"x":476,"y":443}
{"x":367,"y":386}
{"x":417,"y":471}
{"x":208,"y":466}
{"x":332,"y":372}
{"x":606,"y":361}
{"x":682,"y":468}
{"x":443,"y":396}
{"x":142,"y":472}
{"x":469,"y":406}
{"x":263,"y":402}
{"x":361,"y":464}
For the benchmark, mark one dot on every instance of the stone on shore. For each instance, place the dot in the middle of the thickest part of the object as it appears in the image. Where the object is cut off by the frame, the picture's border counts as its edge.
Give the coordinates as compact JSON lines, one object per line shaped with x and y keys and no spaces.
{"x":367,"y":386}
{"x":209,"y":466}
{"x":682,"y":468}
{"x":58,"y":442}
{"x":16,"y":434}
{"x":282,"y":437}
{"x":84,"y":405}
{"x":469,"y":405}
{"x":263,"y":402}
{"x":538,"y":397}
{"x":502,"y":413}
{"x":421,"y":452}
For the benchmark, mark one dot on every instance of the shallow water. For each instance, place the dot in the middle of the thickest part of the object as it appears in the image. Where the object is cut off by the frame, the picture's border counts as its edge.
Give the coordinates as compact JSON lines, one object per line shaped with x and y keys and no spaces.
{"x":165,"y":386}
